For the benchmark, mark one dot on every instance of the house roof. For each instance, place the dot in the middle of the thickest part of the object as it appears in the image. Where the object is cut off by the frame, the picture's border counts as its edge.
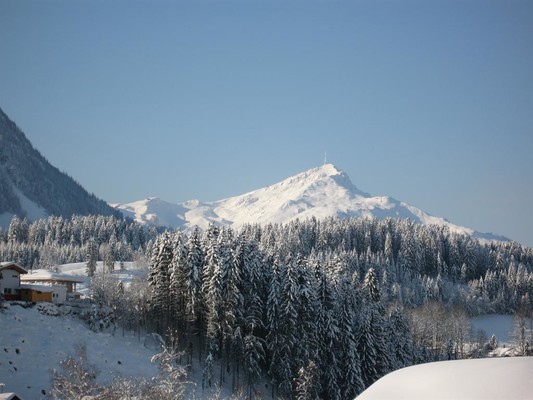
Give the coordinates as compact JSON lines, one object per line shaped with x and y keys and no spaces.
{"x":40,"y":288}
{"x":9,"y":396}
{"x":45,"y":275}
{"x":12,"y":265}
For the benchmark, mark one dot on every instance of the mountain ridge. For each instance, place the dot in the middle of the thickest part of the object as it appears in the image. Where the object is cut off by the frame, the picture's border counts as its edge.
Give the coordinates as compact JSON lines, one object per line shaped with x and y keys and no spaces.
{"x":32,"y":187}
{"x":320,"y":192}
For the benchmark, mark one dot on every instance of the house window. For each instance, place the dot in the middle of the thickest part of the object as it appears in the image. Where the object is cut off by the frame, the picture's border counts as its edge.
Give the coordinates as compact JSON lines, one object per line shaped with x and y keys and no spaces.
{"x":1,"y":276}
{"x":7,"y":290}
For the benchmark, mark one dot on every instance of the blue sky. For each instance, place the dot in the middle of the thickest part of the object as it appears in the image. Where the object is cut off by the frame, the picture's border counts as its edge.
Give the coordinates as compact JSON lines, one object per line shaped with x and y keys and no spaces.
{"x":429,"y":102}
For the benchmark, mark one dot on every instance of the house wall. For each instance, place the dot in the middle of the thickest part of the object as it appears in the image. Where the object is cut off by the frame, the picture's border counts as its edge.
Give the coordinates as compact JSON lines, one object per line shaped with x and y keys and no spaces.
{"x":35,"y":295}
{"x":10,"y":284}
{"x":59,"y":294}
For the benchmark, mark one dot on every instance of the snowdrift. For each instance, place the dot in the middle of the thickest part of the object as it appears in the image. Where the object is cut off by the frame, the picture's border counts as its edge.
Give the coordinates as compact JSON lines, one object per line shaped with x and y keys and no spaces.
{"x":483,"y":379}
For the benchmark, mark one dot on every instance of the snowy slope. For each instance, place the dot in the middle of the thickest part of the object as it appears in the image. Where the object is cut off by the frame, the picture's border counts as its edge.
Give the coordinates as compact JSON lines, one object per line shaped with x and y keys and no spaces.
{"x":483,"y":379}
{"x":34,"y":343}
{"x":320,"y":192}
{"x":31,"y":344}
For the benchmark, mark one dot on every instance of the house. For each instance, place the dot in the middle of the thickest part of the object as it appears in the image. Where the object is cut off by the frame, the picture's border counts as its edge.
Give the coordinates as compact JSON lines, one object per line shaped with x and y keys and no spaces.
{"x":10,"y":280}
{"x":38,"y":293}
{"x":62,"y":286}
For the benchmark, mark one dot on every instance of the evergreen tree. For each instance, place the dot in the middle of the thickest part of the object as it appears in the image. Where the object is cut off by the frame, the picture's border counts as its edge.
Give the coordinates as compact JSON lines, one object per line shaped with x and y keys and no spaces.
{"x":307,"y":386}
{"x":328,"y":331}
{"x":349,"y":362}
{"x":371,"y":286}
{"x":399,"y":336}
{"x":193,"y":286}
{"x":159,"y":279}
{"x":92,"y":254}
{"x":254,"y":356}
{"x":177,"y":290}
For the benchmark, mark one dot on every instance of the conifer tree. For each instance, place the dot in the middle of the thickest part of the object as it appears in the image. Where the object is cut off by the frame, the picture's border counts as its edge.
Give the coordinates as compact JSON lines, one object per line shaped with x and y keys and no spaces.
{"x":254,"y":356}
{"x":92,"y":254}
{"x":159,"y":279}
{"x":193,"y":285}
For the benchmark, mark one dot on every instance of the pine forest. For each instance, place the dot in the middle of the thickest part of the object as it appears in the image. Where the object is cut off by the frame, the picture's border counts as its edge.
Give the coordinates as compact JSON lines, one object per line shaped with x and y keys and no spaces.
{"x":312,"y":309}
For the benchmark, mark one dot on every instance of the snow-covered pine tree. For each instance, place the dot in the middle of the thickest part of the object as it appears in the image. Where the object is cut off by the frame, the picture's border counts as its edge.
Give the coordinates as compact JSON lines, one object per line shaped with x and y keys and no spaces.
{"x":307,"y":308}
{"x":371,"y":285}
{"x":207,"y":374}
{"x":177,"y":284}
{"x":254,"y":281}
{"x":159,"y":279}
{"x":274,"y":338}
{"x":328,"y":332}
{"x":92,"y":254}
{"x":307,"y":382}
{"x":253,"y":357}
{"x":349,"y":363}
{"x":399,"y":338}
{"x":233,"y":318}
{"x":195,"y":307}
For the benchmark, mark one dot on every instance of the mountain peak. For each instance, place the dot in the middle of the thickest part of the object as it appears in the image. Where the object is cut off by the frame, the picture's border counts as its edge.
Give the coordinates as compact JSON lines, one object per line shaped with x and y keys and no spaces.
{"x":329,"y":169}
{"x":320,"y":192}
{"x":318,"y":176}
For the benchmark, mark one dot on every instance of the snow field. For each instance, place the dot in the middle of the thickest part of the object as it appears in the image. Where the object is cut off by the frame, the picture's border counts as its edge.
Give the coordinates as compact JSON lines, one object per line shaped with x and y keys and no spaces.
{"x":478,"y":379}
{"x":32,"y":344}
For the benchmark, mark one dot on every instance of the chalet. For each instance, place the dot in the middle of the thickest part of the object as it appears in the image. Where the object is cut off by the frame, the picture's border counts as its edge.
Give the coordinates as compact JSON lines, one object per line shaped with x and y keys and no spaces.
{"x":62,"y":286}
{"x":10,"y":280}
{"x":49,"y":293}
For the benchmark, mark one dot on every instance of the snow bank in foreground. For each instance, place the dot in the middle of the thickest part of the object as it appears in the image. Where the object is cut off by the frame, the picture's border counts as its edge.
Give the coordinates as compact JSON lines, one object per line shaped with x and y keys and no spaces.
{"x":483,"y":379}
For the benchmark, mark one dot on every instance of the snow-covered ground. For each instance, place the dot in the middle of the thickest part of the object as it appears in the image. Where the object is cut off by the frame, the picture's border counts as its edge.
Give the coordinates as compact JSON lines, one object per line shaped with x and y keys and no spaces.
{"x":478,"y":379}
{"x":32,"y":344}
{"x":126,"y":276}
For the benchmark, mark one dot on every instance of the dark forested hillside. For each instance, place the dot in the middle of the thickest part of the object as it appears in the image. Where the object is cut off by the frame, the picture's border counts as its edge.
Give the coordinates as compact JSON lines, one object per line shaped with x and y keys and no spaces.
{"x":24,"y":172}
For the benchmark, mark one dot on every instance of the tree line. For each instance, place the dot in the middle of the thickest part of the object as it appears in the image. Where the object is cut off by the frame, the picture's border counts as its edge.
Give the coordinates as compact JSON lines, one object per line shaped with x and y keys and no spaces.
{"x":323,"y":309}
{"x":46,"y":243}
{"x":318,"y":309}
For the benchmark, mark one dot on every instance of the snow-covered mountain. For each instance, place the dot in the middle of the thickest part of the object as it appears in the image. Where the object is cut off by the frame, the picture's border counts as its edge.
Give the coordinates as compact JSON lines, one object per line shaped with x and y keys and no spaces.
{"x":31,"y":187}
{"x":320,"y":192}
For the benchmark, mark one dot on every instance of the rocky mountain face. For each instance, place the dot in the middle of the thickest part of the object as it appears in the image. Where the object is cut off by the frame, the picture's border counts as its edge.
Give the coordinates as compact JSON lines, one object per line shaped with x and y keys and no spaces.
{"x":31,"y":187}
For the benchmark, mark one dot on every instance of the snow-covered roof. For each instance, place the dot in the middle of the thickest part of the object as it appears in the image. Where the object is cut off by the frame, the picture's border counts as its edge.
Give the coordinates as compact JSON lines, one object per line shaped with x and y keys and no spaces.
{"x":41,"y":288}
{"x":9,"y":396}
{"x":46,"y":275}
{"x":12,"y":265}
{"x":478,"y":379}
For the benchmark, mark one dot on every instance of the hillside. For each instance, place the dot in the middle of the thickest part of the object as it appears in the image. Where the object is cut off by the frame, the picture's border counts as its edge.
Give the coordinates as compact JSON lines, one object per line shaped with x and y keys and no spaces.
{"x":321,"y":192}
{"x":35,"y":343}
{"x":31,"y":187}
